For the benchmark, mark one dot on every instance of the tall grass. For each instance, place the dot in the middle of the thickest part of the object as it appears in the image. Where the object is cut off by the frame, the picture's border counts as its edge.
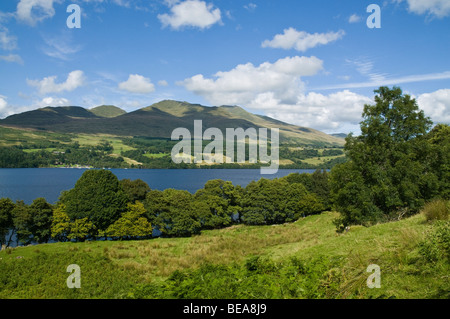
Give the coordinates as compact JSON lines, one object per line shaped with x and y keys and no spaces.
{"x":437,"y":209}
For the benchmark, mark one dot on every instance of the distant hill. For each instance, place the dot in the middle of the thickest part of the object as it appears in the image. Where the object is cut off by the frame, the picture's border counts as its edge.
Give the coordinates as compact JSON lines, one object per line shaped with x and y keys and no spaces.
{"x":159,"y":120}
{"x":107,"y":111}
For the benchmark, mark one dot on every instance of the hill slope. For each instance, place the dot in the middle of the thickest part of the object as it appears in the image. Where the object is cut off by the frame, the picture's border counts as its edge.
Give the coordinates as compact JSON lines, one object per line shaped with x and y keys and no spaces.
{"x":306,"y":258}
{"x":159,"y":120}
{"x":107,"y":111}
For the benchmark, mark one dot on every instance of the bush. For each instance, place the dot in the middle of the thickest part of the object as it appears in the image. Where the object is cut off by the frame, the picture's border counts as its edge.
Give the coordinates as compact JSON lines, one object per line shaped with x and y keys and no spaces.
{"x":437,"y":210}
{"x":436,"y":246}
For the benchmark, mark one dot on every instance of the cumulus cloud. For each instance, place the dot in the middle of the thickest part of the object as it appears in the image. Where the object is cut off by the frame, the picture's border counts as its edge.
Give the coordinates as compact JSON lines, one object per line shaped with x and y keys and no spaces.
{"x":437,"y":8}
{"x":190,"y":13}
{"x":276,"y":90}
{"x":301,"y":40}
{"x":243,"y":83}
{"x":53,"y":101}
{"x":47,"y":85}
{"x":336,"y":112}
{"x":137,"y":84}
{"x":33,"y":11}
{"x":436,"y":105}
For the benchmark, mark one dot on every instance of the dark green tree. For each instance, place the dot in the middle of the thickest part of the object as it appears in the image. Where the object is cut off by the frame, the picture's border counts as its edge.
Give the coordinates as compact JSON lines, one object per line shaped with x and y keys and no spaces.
{"x":41,"y":214}
{"x":6,"y":220}
{"x":383,"y":175}
{"x":97,"y":196}
{"x":269,"y":202}
{"x":223,"y":199}
{"x":135,"y":190}
{"x":22,"y":221}
{"x":173,"y":212}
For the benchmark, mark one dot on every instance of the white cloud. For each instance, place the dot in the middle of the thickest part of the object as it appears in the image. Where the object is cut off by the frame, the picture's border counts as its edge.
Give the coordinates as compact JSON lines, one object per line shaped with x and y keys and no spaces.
{"x":336,"y":112}
{"x":245,"y":82}
{"x":163,"y":83}
{"x":436,"y":105}
{"x":301,"y":40}
{"x":7,"y":41}
{"x":137,"y":84}
{"x":12,"y":58}
{"x":3,"y":106}
{"x":438,"y":8}
{"x":250,"y":7}
{"x":33,"y":11}
{"x":354,"y":18}
{"x":53,"y":101}
{"x":190,"y":13}
{"x":47,"y":85}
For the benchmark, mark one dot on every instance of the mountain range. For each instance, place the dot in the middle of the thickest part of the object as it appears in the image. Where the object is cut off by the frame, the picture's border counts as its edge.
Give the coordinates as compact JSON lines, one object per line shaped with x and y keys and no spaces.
{"x":159,"y":120}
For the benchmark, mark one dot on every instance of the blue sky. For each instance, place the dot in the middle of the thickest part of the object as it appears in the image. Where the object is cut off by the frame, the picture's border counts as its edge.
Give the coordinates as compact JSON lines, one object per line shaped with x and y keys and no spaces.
{"x":310,"y":63}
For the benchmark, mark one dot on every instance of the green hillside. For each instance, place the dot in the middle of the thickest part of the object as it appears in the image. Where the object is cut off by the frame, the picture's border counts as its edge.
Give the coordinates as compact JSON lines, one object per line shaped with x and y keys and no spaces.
{"x":107,"y":111}
{"x":305,"y":259}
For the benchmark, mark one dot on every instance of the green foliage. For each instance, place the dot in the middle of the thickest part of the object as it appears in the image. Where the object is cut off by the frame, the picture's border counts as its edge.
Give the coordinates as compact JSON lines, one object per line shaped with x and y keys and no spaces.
{"x":257,"y":278}
{"x":436,"y":246}
{"x":223,"y":200}
{"x":60,"y":228}
{"x":269,"y":202}
{"x":389,"y":173}
{"x":310,"y":204}
{"x":42,"y":275}
{"x":6,"y":219}
{"x":173,"y":213}
{"x":22,"y":223}
{"x":135,"y":190}
{"x":317,"y":183}
{"x":41,"y":219}
{"x":80,"y":229}
{"x":132,"y":223}
{"x":96,"y":196}
{"x":437,"y":210}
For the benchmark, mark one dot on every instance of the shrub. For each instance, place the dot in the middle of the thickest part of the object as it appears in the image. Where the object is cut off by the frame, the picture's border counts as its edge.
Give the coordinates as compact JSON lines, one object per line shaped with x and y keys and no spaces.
{"x":438,"y":209}
{"x":436,"y":245}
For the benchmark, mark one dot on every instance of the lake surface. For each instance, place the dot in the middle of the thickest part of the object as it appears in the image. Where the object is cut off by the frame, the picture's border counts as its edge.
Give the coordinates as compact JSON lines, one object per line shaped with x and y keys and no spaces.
{"x":28,"y":184}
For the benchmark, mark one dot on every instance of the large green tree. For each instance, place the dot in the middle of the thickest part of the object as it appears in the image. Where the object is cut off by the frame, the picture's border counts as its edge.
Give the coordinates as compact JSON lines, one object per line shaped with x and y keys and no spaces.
{"x":97,"y":196}
{"x":41,"y":214}
{"x":135,"y":190}
{"x":22,"y":221}
{"x":384,"y":176}
{"x":131,"y":224}
{"x":174,"y":213}
{"x":223,"y":200}
{"x":275,"y":201}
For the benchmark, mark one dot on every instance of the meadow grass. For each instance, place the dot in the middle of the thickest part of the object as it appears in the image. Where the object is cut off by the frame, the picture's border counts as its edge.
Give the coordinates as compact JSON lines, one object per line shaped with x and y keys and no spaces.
{"x":393,"y":246}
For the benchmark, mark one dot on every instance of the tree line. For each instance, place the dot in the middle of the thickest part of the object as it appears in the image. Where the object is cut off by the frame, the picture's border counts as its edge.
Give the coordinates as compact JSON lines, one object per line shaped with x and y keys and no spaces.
{"x":101,"y":206}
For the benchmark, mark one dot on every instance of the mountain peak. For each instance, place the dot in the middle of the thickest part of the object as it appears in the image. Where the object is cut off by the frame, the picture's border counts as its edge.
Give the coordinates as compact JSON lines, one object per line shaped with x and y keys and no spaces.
{"x":107,"y":111}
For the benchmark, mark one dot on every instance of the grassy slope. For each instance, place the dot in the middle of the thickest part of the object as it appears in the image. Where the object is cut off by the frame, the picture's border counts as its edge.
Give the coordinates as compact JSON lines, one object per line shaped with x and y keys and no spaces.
{"x":107,"y":111}
{"x":110,"y":269}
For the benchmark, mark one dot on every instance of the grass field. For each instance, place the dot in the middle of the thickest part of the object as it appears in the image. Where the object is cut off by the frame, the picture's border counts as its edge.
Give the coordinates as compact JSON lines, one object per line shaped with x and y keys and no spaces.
{"x":97,"y":139}
{"x":111,"y":269}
